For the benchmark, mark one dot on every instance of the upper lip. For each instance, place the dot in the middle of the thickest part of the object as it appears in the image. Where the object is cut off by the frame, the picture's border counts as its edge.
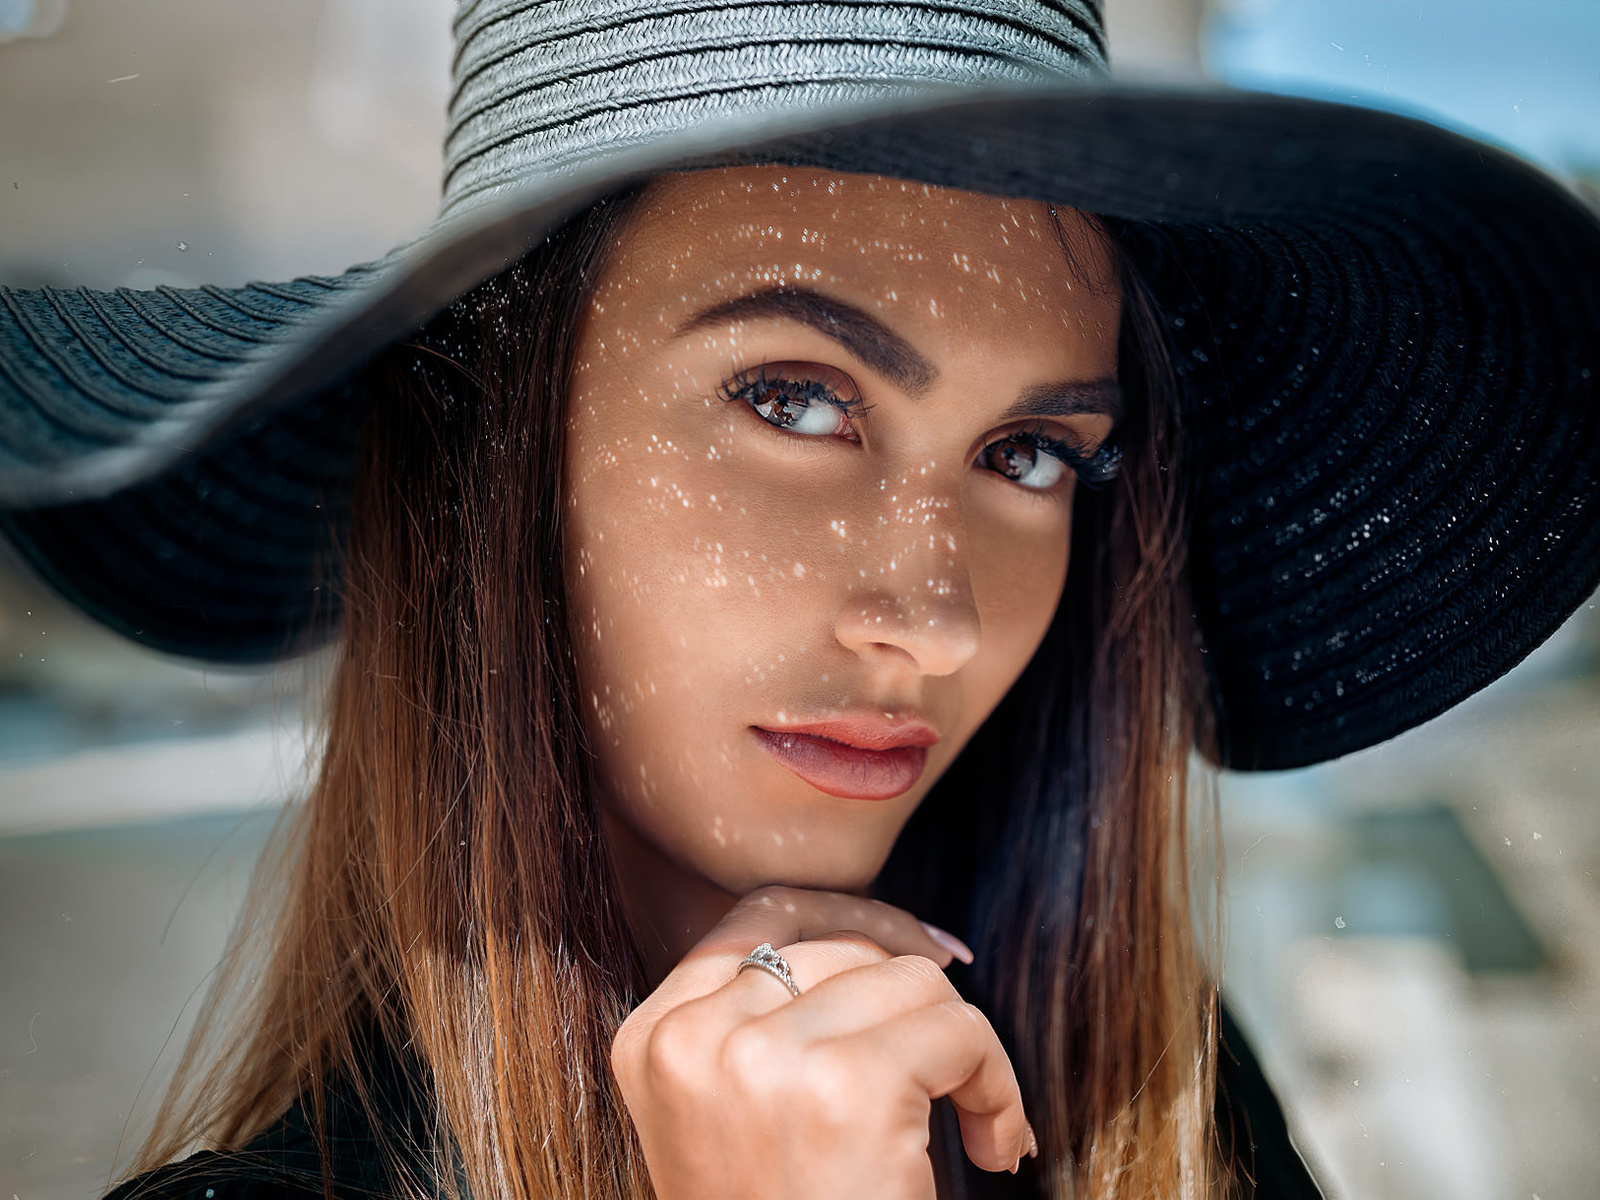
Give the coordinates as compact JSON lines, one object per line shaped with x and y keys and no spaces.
{"x":865,"y":732}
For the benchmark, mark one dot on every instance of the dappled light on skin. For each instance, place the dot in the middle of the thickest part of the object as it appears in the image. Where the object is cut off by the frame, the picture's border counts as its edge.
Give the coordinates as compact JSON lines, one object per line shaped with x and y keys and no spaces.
{"x":804,"y":487}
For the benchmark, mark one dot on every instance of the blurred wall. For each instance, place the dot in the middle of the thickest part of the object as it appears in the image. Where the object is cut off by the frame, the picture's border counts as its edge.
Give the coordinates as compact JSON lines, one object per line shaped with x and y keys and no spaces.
{"x":170,"y":141}
{"x":1156,"y":39}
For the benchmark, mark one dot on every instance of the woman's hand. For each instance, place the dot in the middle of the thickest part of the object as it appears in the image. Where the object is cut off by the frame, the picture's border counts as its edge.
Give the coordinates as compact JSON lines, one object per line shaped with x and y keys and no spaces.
{"x":738,"y":1089}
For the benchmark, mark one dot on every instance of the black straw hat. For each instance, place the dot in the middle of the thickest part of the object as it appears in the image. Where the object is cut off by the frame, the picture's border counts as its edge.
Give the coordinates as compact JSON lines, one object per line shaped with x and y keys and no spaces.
{"x":1386,"y":337}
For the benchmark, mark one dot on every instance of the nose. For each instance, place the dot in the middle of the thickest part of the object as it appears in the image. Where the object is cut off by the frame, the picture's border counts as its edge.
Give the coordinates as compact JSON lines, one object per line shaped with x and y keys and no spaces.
{"x":915,"y":608}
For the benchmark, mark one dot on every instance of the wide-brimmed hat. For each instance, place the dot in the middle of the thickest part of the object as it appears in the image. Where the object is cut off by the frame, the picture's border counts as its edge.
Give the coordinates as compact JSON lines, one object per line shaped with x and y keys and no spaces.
{"x":1385,"y":335}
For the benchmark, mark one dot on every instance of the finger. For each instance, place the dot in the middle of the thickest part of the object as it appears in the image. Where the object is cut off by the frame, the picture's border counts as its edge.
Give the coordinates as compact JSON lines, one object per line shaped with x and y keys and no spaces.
{"x":854,"y":999}
{"x":811,"y":962}
{"x":754,"y":991}
{"x":748,"y":992}
{"x":785,"y":916}
{"x":708,"y":1020}
{"x":952,"y":1050}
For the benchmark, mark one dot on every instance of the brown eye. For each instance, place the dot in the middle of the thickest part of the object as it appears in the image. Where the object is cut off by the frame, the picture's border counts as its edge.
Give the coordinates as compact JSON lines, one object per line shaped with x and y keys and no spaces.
{"x":809,"y":407}
{"x":1024,"y":462}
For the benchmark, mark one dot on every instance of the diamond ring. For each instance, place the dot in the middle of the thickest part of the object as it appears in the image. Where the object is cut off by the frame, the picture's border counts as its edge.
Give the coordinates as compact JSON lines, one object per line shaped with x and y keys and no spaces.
{"x":770,"y":961}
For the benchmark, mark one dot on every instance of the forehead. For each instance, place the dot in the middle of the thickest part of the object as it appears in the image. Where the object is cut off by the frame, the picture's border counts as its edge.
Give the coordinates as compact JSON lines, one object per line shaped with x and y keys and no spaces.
{"x":707,"y":234}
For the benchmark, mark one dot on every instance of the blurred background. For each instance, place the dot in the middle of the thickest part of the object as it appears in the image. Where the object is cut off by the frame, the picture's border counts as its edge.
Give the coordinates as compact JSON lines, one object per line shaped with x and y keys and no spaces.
{"x":1413,"y":932}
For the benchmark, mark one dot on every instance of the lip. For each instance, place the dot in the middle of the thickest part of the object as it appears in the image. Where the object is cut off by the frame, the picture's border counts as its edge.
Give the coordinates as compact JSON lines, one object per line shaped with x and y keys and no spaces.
{"x":855,"y":758}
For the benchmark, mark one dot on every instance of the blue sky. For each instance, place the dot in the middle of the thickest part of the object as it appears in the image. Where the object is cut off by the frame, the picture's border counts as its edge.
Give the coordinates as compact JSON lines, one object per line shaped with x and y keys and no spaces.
{"x":1523,"y":73}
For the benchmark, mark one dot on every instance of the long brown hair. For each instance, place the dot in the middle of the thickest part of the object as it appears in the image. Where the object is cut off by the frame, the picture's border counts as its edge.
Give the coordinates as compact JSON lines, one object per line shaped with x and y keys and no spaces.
{"x":444,"y":895}
{"x":1064,"y":840}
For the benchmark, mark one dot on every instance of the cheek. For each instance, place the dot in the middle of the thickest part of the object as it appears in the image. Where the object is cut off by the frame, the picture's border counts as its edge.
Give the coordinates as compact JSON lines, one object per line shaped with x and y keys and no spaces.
{"x":1018,"y":571}
{"x":688,"y":587}
{"x":640,"y":521}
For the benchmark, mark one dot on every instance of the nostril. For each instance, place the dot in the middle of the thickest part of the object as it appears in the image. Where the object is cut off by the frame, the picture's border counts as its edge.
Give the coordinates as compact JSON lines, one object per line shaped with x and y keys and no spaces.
{"x":932,"y":640}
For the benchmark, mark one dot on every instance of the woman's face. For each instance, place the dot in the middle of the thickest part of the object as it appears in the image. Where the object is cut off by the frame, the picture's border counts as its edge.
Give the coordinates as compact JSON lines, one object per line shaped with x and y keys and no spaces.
{"x":822,"y":445}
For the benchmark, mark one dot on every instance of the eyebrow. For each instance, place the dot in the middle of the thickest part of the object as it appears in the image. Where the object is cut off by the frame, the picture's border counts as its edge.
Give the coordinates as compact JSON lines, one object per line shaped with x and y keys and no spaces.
{"x":896,"y":359}
{"x":1069,"y":398}
{"x":859,"y":332}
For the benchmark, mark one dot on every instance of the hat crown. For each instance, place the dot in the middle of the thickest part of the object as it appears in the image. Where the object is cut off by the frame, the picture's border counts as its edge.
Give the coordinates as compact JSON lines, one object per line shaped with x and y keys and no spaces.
{"x":540,"y":85}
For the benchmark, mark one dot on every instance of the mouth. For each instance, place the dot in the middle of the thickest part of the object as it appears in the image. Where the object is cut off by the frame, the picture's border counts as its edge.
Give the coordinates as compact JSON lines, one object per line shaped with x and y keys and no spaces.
{"x":853,"y":758}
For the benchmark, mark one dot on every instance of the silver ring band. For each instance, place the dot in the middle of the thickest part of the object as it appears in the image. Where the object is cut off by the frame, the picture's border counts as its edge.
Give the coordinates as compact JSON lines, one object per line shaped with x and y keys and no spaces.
{"x":770,"y":961}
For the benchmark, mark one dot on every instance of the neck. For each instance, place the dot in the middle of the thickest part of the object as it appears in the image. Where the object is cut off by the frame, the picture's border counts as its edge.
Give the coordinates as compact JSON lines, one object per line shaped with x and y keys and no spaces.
{"x":668,"y":907}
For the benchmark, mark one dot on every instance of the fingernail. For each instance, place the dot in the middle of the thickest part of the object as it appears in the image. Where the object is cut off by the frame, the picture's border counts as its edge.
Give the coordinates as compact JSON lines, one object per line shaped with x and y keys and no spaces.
{"x":949,"y":941}
{"x":1033,"y":1142}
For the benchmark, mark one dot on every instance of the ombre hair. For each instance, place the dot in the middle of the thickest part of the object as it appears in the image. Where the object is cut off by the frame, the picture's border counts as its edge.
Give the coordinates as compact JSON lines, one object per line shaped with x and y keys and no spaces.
{"x":444,"y":896}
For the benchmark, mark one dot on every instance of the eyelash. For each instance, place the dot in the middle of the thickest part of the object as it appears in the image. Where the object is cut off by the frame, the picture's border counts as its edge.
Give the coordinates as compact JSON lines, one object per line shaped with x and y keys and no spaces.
{"x":749,"y":385}
{"x":1094,"y":470}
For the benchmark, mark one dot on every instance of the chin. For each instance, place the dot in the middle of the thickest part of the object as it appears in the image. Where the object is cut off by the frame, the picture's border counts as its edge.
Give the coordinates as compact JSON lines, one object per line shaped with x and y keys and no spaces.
{"x":801,"y":869}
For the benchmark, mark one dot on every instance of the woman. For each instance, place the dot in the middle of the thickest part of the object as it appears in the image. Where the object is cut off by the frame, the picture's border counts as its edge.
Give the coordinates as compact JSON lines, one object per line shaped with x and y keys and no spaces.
{"x":743,"y":339}
{"x":791,"y":545}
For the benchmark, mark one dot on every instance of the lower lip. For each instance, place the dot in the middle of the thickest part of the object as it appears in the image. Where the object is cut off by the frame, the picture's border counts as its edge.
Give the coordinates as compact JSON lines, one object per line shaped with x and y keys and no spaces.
{"x":845,"y":771}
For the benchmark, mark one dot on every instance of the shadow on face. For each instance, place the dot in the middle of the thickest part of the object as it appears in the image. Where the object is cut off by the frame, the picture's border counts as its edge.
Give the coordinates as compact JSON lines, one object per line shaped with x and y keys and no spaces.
{"x":823,"y":438}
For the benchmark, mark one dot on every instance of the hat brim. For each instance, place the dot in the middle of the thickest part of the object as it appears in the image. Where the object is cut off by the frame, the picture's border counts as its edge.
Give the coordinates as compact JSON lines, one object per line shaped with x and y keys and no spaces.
{"x":1384,"y":335}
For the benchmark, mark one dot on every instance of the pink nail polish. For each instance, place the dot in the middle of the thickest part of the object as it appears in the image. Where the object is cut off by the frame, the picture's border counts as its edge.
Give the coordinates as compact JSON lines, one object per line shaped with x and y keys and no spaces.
{"x":948,"y":940}
{"x":1033,"y":1142}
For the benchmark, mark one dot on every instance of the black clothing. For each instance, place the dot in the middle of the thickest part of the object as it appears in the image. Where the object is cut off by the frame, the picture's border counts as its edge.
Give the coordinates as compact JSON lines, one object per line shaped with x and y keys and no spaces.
{"x":284,"y":1163}
{"x":1251,"y":1127}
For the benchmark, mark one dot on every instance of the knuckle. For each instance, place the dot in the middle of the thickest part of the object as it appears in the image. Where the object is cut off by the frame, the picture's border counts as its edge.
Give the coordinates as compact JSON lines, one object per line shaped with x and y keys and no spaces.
{"x":857,"y":941}
{"x":970,"y":1017}
{"x":830,"y":1080}
{"x":752,"y":1059}
{"x":625,"y":1049}
{"x":909,"y":1145}
{"x":923,"y":973}
{"x":674,"y":1054}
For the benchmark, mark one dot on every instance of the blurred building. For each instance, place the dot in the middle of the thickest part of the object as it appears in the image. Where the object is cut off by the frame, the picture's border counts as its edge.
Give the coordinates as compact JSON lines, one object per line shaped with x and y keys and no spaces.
{"x":1414,"y":942}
